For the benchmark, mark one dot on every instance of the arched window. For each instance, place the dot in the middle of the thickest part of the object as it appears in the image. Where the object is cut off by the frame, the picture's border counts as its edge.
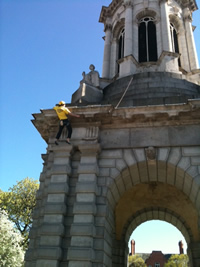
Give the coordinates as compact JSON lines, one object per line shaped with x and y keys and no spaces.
{"x":174,"y":39}
{"x":121,"y":44}
{"x":147,"y":40}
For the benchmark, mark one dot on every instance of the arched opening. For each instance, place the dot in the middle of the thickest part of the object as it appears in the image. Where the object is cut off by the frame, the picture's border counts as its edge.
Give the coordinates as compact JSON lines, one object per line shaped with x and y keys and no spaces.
{"x":147,"y":40}
{"x":174,"y":38}
{"x":138,"y":195}
{"x":156,"y":236}
{"x":121,"y":45}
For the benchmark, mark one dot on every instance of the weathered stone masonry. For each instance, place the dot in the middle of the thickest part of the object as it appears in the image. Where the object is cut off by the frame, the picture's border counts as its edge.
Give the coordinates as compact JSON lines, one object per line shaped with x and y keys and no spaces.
{"x":95,"y":193}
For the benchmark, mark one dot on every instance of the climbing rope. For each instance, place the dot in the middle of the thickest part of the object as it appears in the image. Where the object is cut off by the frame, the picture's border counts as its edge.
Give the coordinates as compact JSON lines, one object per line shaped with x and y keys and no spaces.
{"x":122,"y":95}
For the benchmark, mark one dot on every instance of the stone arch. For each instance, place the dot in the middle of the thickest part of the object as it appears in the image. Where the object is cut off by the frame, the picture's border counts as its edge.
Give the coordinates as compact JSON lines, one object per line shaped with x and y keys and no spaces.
{"x":146,"y":12}
{"x":118,"y":27}
{"x":157,"y":214}
{"x":176,"y":21}
{"x":160,"y":184}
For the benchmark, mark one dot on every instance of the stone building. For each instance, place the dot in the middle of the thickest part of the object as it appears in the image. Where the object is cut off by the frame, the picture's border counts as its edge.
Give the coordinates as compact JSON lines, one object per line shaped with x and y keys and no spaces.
{"x":136,"y":147}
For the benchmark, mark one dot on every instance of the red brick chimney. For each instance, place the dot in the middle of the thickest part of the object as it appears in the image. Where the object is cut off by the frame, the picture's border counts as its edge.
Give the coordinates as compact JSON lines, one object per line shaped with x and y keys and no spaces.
{"x":180,"y":243}
{"x":132,"y":247}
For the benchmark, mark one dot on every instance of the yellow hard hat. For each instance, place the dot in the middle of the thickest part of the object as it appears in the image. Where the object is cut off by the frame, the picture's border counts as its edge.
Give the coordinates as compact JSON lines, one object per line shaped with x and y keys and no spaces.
{"x":61,"y":103}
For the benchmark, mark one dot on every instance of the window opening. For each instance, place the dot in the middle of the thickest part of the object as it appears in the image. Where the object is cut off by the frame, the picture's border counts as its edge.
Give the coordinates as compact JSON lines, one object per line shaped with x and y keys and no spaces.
{"x":121,"y":44}
{"x":174,"y":39}
{"x":147,"y":40}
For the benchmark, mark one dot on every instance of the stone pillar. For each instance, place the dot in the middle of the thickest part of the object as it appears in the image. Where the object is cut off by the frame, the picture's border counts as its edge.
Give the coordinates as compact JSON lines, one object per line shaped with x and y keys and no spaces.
{"x":194,"y":254}
{"x":83,"y":231}
{"x":159,"y":38}
{"x":192,"y":53}
{"x":52,"y":230}
{"x":107,"y":50}
{"x":165,"y":27}
{"x":135,"y":40}
{"x":113,"y":60}
{"x":128,"y":44}
{"x":183,"y":50}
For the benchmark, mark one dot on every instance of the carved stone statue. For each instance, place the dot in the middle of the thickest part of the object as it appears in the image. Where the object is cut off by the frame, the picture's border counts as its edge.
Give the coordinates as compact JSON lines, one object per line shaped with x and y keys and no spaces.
{"x":92,"y":77}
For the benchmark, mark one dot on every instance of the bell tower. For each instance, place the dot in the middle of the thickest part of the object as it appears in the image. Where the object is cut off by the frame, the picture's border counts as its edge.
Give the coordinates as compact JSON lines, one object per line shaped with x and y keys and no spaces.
{"x":135,"y":152}
{"x":143,"y":36}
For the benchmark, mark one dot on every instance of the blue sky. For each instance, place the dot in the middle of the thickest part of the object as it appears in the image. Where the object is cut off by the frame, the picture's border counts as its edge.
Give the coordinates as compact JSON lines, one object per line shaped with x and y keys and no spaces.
{"x":45,"y":45}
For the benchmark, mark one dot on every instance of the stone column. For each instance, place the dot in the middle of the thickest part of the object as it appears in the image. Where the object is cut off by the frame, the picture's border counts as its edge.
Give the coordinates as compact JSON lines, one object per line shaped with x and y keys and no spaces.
{"x":192,"y":53}
{"x":81,"y":252}
{"x":113,"y":60}
{"x":194,"y":253}
{"x":183,"y":50}
{"x":52,"y":230}
{"x":165,"y":27}
{"x":107,"y":50}
{"x":128,"y":44}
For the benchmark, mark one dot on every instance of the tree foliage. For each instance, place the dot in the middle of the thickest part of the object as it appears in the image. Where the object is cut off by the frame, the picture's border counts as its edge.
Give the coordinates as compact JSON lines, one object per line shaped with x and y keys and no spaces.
{"x":11,"y":252}
{"x":177,"y":261}
{"x":19,"y":203}
{"x":136,"y":261}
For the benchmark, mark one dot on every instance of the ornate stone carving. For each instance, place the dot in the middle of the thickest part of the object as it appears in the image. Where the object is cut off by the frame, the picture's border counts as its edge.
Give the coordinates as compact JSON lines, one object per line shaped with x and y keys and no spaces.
{"x":107,"y":27}
{"x":92,"y":133}
{"x":150,"y":153}
{"x":92,"y":77}
{"x":128,"y":3}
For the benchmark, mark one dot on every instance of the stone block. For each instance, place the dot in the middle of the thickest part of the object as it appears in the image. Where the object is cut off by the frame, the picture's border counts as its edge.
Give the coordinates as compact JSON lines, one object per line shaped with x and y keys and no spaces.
{"x":99,"y":244}
{"x":162,"y":171}
{"x":163,"y":154}
{"x":193,"y":171}
{"x":107,"y":163}
{"x":134,"y":172}
{"x":53,"y":253}
{"x":83,"y":218}
{"x":63,"y":178}
{"x":90,"y":177}
{"x":82,"y":241}
{"x":86,"y":187}
{"x":184,"y":163}
{"x":58,"y":188}
{"x":195,"y":161}
{"x":50,"y":241}
{"x":60,"y":169}
{"x":79,"y":264}
{"x":47,"y":263}
{"x":114,"y":173}
{"x":82,"y":230}
{"x":86,"y":197}
{"x":191,"y":151}
{"x":55,"y":209}
{"x":53,"y":229}
{"x":53,"y":218}
{"x":140,"y":155}
{"x":88,"y":160}
{"x":129,"y":157}
{"x":88,"y":169}
{"x":84,"y":208}
{"x":120,"y":164}
{"x":120,"y":186}
{"x":61,"y":160}
{"x":111,"y":154}
{"x":56,"y":198}
{"x":80,"y":254}
{"x":187,"y":184}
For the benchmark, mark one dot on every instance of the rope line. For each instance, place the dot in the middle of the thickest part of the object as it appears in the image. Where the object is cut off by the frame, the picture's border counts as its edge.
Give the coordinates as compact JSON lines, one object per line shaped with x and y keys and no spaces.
{"x":124,"y":93}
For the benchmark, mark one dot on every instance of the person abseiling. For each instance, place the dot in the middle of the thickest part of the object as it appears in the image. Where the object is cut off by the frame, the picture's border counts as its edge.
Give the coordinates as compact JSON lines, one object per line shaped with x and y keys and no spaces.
{"x":63,"y":113}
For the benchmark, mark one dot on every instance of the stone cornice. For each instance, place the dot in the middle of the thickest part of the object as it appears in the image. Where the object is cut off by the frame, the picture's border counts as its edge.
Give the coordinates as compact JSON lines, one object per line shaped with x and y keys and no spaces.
{"x":110,"y":10}
{"x":106,"y":116}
